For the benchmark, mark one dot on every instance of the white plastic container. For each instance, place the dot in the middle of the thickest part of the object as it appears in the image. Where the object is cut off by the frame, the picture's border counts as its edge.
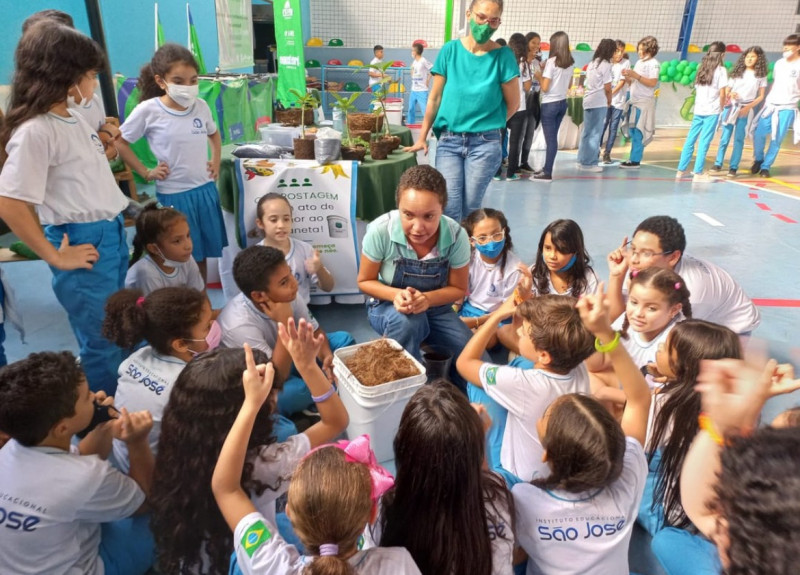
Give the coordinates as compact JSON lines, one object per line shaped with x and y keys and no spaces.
{"x":278,"y":135}
{"x":376,"y":410}
{"x":394,"y":111}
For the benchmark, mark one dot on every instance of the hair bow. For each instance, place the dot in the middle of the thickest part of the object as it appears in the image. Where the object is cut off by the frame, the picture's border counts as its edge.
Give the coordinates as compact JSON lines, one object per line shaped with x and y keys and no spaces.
{"x":358,"y":451}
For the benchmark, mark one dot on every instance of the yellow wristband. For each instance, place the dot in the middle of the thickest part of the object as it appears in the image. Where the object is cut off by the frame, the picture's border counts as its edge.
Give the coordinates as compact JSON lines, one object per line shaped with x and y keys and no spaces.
{"x":609,"y":347}
{"x":708,"y":426}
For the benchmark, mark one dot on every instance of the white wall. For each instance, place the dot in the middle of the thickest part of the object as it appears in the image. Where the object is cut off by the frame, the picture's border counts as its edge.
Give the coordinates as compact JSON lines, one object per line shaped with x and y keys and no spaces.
{"x":396,"y":23}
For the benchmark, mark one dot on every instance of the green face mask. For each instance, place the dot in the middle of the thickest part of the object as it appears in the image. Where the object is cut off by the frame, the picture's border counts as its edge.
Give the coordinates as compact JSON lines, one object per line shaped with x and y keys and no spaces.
{"x":480,"y":32}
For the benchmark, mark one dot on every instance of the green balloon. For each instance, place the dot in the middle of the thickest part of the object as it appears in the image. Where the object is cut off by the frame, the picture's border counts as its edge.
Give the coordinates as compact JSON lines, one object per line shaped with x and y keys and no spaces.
{"x":693,"y":75}
{"x":729,"y":65}
{"x":770,"y":66}
{"x":693,"y":65}
{"x":685,"y":80}
{"x":663,"y":78}
{"x":769,"y":77}
{"x":664,"y":66}
{"x":673,"y":63}
{"x":674,"y":73}
{"x":682,"y":65}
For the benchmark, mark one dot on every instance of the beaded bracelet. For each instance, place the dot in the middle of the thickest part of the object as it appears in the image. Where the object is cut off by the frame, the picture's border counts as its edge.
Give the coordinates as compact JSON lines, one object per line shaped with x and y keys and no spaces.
{"x":609,"y":347}
{"x":708,"y":426}
{"x":325,"y":396}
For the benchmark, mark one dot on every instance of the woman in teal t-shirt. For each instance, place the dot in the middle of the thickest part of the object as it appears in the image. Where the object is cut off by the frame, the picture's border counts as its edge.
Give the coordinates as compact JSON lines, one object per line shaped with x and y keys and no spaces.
{"x":474,"y":93}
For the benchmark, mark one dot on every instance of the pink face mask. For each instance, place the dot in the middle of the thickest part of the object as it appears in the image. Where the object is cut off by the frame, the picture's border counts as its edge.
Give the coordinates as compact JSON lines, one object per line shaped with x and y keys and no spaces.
{"x":212,"y":339}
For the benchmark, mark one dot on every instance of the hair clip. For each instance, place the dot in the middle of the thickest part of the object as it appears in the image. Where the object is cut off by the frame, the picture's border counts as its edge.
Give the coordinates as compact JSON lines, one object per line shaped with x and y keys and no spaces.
{"x":358,"y":451}
{"x":328,"y":549}
{"x":634,"y":273}
{"x":678,"y":285}
{"x":140,"y":301}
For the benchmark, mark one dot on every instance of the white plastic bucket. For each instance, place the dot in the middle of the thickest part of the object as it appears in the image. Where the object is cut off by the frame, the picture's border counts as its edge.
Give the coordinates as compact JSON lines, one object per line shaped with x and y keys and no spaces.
{"x":376,"y":410}
{"x":337,"y":227}
{"x":394,"y":111}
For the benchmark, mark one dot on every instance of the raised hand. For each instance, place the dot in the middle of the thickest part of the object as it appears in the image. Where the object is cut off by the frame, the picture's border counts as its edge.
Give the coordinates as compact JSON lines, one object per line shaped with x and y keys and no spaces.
{"x":314,"y":263}
{"x":300,"y":341}
{"x":133,"y":427}
{"x":618,"y":259}
{"x":256,"y":379}
{"x":593,"y":309}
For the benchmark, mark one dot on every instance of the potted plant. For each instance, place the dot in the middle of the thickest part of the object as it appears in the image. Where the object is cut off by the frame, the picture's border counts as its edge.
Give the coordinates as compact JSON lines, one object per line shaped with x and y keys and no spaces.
{"x":304,"y":146}
{"x":380,"y":147}
{"x":379,"y":94}
{"x":352,"y":148}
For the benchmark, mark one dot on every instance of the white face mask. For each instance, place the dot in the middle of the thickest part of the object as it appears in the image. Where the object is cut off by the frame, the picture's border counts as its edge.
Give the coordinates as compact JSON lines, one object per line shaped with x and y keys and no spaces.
{"x":184,"y":96}
{"x":788,"y":54}
{"x":86,"y":103}
{"x":166,"y":262}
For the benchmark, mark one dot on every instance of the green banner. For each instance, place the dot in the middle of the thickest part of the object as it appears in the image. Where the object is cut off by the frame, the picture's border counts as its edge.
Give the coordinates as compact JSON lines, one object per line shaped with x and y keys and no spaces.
{"x":289,"y":38}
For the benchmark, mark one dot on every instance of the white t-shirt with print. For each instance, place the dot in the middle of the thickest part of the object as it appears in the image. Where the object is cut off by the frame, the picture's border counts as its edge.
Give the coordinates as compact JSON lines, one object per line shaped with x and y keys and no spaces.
{"x":489,"y":284}
{"x":54,"y":503}
{"x":59,"y":165}
{"x":420,"y":73}
{"x":618,"y":99}
{"x":526,"y":394}
{"x":299,"y":252}
{"x":598,"y":74}
{"x":178,"y":138}
{"x":524,"y":76}
{"x":273,"y":466}
{"x":374,"y":80}
{"x":786,"y":85}
{"x":148,"y":277}
{"x":643,"y":352}
{"x":559,"y":81}
{"x":706,"y":100}
{"x":260,"y":550}
{"x":241,"y":322}
{"x":578,"y":533}
{"x":747,"y":86}
{"x":145,"y":382}
{"x":646,"y":69}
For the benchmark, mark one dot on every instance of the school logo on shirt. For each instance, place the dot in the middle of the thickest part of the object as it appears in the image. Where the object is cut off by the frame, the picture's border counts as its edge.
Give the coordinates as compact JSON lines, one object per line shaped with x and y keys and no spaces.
{"x":491,"y":376}
{"x":98,"y":144}
{"x":197,"y":122}
{"x":254,"y":537}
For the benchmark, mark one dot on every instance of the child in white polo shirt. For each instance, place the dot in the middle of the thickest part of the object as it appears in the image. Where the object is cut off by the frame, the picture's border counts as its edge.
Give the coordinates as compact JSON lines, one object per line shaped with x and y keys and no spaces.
{"x":54,"y":496}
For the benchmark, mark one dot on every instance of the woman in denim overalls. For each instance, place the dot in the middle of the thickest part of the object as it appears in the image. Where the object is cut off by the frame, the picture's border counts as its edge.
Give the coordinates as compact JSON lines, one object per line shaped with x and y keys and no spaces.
{"x":414,"y":266}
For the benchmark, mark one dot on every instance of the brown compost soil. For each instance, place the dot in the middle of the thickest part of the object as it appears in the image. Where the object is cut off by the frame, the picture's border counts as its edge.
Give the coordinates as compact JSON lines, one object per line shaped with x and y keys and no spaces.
{"x":378,"y":362}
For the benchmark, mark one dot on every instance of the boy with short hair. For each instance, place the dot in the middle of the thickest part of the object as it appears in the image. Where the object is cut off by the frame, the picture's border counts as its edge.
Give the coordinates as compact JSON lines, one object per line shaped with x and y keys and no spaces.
{"x":554,"y":338}
{"x":420,"y":82}
{"x":780,"y":108}
{"x":54,"y":496}
{"x":375,"y":75}
{"x":269,"y":297}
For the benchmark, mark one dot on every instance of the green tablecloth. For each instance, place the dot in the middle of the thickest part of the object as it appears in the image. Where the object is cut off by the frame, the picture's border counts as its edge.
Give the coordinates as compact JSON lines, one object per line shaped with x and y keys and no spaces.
{"x":377,"y":181}
{"x":404,"y":133}
{"x":575,"y":109}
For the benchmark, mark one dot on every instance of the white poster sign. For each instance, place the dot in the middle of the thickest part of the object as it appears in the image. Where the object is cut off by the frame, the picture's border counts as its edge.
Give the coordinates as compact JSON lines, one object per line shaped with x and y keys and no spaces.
{"x":323,"y":200}
{"x":235,"y":34}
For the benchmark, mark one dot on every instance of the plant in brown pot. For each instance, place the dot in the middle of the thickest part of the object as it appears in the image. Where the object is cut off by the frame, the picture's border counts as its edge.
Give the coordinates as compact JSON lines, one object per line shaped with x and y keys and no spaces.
{"x":353,"y":147}
{"x":304,"y":145}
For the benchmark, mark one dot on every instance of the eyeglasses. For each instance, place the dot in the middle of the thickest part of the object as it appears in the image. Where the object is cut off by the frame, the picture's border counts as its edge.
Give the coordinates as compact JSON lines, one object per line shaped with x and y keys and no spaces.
{"x":483,"y":19}
{"x":643,"y":254}
{"x":483,"y":240}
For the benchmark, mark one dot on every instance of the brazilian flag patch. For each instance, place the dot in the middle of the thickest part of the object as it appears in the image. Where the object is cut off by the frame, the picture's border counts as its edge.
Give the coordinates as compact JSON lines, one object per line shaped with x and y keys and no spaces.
{"x":491,"y":375}
{"x":252,"y":539}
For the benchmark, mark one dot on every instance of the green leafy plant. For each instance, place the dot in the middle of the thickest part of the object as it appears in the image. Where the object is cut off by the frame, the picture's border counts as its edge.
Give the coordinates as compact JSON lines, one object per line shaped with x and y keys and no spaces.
{"x":346,"y":105}
{"x":379,"y":93}
{"x":306,"y":101}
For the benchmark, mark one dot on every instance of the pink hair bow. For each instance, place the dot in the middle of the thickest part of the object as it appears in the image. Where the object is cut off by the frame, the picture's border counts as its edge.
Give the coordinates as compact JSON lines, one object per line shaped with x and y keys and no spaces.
{"x":359,"y":451}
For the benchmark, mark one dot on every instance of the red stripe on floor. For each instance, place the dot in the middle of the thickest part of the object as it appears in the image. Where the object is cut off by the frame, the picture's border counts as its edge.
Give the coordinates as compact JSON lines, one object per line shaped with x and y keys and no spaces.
{"x":753,"y":196}
{"x":764,"y":207}
{"x":777,"y":302}
{"x":786,"y":219}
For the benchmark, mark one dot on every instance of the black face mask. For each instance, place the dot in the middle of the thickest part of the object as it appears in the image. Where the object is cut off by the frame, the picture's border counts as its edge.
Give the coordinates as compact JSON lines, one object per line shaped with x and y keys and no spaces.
{"x":102,"y":413}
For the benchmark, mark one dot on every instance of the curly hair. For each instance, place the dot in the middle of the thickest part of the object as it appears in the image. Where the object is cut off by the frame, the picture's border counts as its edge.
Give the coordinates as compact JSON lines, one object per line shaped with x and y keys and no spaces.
{"x":650,"y":46}
{"x":491,"y":214}
{"x":760,"y":70}
{"x":758,"y":496}
{"x":151,"y":224}
{"x":50,"y":58}
{"x":36,"y":393}
{"x":163,"y":60}
{"x":675,"y":424}
{"x":443,"y":500}
{"x":163,"y":316}
{"x":585,"y":445}
{"x":668,"y":230}
{"x":556,"y":328}
{"x":668,"y":283}
{"x":254,"y":266}
{"x":423,"y":178}
{"x":187,"y":524}
{"x":567,"y":237}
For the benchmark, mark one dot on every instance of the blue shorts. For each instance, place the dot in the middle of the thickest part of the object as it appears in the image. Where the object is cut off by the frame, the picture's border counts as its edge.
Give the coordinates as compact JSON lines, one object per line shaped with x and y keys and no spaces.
{"x":204,"y":215}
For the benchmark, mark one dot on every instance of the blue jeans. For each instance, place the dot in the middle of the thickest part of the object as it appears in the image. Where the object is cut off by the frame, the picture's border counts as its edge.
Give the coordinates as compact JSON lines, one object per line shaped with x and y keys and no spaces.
{"x":552,"y":114}
{"x":295,"y":395}
{"x":439,"y":326}
{"x":83,"y":294}
{"x":683,"y":553}
{"x":613,"y":116}
{"x":593,"y":120}
{"x":637,"y":145}
{"x":415,"y":98}
{"x":127,"y":546}
{"x":702,"y":129}
{"x":467,"y":162}
{"x":764,"y":127}
{"x":738,"y":131}
{"x":498,"y":414}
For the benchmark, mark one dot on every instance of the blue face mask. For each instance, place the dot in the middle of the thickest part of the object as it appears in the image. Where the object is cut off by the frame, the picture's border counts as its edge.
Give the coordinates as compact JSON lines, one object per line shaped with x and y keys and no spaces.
{"x":570,"y":263}
{"x":492,"y":249}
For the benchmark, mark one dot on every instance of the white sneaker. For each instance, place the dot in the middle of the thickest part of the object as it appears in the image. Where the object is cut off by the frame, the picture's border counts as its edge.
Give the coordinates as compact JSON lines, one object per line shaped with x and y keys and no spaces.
{"x":679,"y":175}
{"x":702,"y":177}
{"x":590,"y":168}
